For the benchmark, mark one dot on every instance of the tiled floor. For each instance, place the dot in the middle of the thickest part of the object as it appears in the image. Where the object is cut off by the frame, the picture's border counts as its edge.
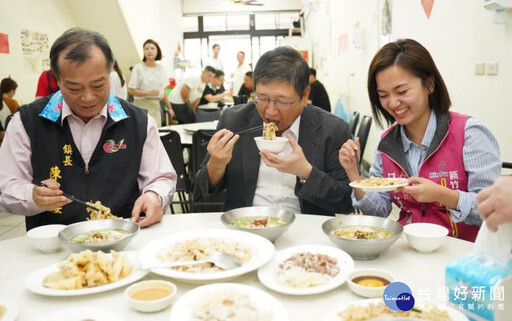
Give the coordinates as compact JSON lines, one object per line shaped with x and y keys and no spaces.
{"x":11,"y":226}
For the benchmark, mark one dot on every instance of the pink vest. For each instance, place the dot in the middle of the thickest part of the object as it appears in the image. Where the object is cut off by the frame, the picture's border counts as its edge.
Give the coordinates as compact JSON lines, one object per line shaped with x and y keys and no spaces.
{"x":444,"y":166}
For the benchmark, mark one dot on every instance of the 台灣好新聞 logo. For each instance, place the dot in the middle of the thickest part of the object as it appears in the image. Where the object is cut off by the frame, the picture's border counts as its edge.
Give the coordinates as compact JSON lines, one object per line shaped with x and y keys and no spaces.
{"x":398,"y":297}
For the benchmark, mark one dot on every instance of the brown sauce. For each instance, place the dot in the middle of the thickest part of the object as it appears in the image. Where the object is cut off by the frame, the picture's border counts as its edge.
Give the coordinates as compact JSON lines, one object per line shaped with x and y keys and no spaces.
{"x":370,"y":281}
{"x":151,"y":294}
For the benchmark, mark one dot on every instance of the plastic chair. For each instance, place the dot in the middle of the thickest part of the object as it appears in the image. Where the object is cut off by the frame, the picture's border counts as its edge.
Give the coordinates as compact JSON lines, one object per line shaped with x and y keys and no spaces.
{"x":207,"y":115}
{"x":172,"y":144}
{"x":353,"y":123}
{"x":363,"y":133}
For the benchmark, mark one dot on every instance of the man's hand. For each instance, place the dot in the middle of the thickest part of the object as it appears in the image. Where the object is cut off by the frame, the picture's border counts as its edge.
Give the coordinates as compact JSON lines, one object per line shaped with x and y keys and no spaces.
{"x":295,"y":163}
{"x":496,"y":203}
{"x":148,"y":202}
{"x":49,"y":198}
{"x":152,"y":92}
{"x":220,"y":147}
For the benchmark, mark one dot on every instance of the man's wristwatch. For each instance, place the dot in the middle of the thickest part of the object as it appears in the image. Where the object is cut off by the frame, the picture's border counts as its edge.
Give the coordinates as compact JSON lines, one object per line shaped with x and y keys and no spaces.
{"x":160,"y":199}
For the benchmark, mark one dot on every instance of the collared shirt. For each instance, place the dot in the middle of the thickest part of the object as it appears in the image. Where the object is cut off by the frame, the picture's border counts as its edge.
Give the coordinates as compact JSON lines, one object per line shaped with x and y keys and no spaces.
{"x":481,"y":156}
{"x":275,"y":188}
{"x":156,"y":172}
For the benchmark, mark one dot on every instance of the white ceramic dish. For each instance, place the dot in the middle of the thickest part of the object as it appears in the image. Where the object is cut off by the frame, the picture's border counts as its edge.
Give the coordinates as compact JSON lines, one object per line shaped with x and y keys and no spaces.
{"x":454,"y":314}
{"x":425,"y":237}
{"x":150,"y":305}
{"x":268,"y":273}
{"x":12,"y":309}
{"x":387,"y":188}
{"x":184,"y":308}
{"x":196,"y":126}
{"x":368,"y":291}
{"x":82,"y":313}
{"x":275,"y":145}
{"x":34,"y":282}
{"x":261,"y":248}
{"x":46,"y":238}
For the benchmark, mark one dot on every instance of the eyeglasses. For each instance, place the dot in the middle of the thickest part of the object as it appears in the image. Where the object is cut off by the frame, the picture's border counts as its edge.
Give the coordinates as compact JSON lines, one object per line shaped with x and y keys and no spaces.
{"x":281,"y":104}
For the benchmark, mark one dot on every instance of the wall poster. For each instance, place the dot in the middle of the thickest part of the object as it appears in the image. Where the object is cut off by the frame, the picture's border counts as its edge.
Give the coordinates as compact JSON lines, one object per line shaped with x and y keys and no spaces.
{"x":35,"y":47}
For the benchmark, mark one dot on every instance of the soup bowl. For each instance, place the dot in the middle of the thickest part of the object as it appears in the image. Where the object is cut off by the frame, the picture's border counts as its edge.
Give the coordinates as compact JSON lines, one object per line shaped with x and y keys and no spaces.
{"x":275,"y":145}
{"x":150,"y":295}
{"x":363,"y":249}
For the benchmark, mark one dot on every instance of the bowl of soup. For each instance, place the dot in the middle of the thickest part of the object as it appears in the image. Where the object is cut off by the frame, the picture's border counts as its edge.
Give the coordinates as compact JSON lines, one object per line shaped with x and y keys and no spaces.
{"x":363,"y":237}
{"x":269,"y":222}
{"x":369,"y":283}
{"x":104,"y":235}
{"x":150,"y":295}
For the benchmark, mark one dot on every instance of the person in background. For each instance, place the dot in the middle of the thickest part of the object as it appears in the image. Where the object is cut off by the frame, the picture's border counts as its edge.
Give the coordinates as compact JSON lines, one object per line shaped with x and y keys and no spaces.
{"x":9,"y":105}
{"x":447,"y":157}
{"x":496,"y":203}
{"x":214,"y":92}
{"x":117,"y":82}
{"x":84,"y":141}
{"x":148,"y":81}
{"x":186,"y":95}
{"x":247,"y":87}
{"x":46,"y":85}
{"x":214,"y":60}
{"x":318,"y":95}
{"x":241,"y":69}
{"x":306,"y":177}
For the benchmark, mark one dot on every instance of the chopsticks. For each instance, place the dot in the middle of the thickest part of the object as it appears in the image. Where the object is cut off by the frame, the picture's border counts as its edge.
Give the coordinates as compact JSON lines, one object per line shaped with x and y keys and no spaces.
{"x":66,"y":195}
{"x":357,"y":162}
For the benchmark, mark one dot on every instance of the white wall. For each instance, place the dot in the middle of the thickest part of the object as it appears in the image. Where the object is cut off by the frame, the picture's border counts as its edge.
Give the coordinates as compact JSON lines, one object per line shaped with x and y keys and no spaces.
{"x":196,"y":7}
{"x":458,"y":34}
{"x":51,"y":17}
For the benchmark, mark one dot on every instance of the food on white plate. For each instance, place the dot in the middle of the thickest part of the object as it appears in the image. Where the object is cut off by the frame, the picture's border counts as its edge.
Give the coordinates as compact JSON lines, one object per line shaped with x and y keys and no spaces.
{"x":100,"y":212}
{"x":3,"y":309}
{"x":356,"y":312}
{"x":100,"y":236}
{"x":270,"y":131}
{"x":202,"y":249}
{"x":380,"y":181}
{"x":230,"y":305}
{"x":89,"y":269}
{"x":362,"y":232}
{"x":257,"y":222}
{"x":306,"y":270}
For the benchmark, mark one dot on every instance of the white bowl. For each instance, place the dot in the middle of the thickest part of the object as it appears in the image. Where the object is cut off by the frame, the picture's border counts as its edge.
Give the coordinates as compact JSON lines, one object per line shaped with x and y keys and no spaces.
{"x":275,"y":145}
{"x":150,"y":305}
{"x":368,"y":291}
{"x":46,"y":238}
{"x":425,"y":237}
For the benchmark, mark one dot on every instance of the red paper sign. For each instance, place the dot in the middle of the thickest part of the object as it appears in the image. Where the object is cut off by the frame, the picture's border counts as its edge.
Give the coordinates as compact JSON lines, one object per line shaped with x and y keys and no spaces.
{"x":427,"y":6}
{"x":4,"y":43}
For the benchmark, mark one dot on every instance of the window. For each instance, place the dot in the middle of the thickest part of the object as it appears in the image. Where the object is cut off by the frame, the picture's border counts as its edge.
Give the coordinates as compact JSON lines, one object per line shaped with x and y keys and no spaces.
{"x":190,"y":24}
{"x":214,"y":23}
{"x":238,"y":22}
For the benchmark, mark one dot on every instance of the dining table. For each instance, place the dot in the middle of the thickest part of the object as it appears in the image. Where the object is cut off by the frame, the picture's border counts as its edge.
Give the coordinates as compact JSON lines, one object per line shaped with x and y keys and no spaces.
{"x":420,"y":271}
{"x":187,"y":130}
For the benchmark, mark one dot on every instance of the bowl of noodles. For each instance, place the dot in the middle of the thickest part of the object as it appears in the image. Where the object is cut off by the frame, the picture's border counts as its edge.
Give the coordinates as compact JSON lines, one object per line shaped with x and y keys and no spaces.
{"x":363,"y":237}
{"x":109,"y":234}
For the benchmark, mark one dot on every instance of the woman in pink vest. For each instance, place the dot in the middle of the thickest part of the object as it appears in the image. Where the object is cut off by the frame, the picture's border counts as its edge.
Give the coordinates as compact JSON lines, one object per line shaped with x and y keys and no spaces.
{"x":447,"y":157}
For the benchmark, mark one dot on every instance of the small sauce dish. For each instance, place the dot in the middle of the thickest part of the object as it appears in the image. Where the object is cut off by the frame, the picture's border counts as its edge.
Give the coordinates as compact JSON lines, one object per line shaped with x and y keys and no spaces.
{"x":151,"y":295}
{"x":369,"y":283}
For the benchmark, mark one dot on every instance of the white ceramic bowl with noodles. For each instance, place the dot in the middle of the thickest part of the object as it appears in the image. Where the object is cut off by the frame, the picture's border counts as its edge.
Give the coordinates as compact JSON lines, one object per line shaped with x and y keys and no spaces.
{"x":45,"y":238}
{"x":275,"y":145}
{"x":126,"y":227}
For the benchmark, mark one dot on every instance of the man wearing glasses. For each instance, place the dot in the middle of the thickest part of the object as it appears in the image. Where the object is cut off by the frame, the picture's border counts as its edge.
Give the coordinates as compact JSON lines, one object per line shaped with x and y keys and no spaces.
{"x":304,"y":178}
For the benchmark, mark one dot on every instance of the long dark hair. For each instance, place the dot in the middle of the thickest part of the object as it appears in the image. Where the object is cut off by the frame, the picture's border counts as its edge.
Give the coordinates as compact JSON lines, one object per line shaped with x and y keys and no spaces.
{"x":119,"y":72}
{"x":412,"y":56}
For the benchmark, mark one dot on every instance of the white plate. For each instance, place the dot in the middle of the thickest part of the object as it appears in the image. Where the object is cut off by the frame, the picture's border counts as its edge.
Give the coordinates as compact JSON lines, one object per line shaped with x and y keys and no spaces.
{"x":81,"y":313}
{"x":380,"y":188}
{"x":197,"y":126}
{"x":34,"y":282}
{"x":261,"y":249}
{"x":184,"y":308}
{"x":268,"y":273}
{"x":454,"y":314}
{"x":12,"y":309}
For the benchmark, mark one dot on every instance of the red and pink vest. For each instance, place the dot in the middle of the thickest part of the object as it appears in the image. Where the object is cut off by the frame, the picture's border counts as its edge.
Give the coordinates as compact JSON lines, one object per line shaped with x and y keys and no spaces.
{"x":443,"y":165}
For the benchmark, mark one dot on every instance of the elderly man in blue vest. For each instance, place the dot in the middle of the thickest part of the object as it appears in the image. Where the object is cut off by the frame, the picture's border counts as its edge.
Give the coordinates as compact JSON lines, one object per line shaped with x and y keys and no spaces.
{"x":86,"y":142}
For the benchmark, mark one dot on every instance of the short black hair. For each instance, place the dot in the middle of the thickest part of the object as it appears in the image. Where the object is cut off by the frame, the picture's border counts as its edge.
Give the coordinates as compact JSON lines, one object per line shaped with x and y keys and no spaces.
{"x":283,"y":64}
{"x":158,"y":50}
{"x":219,"y":73}
{"x":7,"y":85}
{"x":215,"y":45}
{"x":312,"y":71}
{"x":210,"y":69}
{"x":78,"y":43}
{"x":249,"y":74}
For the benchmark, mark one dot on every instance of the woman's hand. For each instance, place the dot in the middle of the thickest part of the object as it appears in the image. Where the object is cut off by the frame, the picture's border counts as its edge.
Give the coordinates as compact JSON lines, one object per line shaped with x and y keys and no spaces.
{"x":348,"y":160}
{"x":424,"y":190}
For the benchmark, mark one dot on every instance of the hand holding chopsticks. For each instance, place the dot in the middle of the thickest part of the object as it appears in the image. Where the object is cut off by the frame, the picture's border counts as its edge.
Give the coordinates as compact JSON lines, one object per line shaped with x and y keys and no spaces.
{"x":66,"y":195}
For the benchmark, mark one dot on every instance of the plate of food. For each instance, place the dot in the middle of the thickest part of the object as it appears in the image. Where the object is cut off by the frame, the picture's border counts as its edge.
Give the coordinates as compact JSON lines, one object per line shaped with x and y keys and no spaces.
{"x":379,"y":184}
{"x":306,"y":270}
{"x":373,"y":308}
{"x":251,"y":250}
{"x":82,"y":313}
{"x":85,"y":273}
{"x":9,"y":310}
{"x":240,"y":302}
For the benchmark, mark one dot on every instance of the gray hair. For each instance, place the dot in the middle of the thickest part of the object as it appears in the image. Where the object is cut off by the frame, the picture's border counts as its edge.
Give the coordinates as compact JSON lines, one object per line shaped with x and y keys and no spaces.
{"x":78,"y":42}
{"x":283,"y":64}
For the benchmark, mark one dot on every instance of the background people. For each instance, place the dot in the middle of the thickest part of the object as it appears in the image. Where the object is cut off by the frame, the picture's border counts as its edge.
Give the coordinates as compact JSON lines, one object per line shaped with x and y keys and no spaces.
{"x":240,"y":72}
{"x":214,"y":92}
{"x":214,"y":59}
{"x":46,"y":85}
{"x":117,"y":82}
{"x":318,"y":95}
{"x":9,"y":105}
{"x":247,"y":88}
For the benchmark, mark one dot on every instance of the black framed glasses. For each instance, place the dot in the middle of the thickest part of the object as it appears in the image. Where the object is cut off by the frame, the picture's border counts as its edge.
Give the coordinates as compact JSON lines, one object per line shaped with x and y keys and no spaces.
{"x":280,"y":103}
